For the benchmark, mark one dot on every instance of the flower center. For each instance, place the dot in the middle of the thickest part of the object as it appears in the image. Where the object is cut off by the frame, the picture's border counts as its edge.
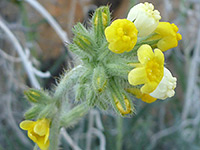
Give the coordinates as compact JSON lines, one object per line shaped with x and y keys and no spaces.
{"x":154,"y":70}
{"x":126,"y":32}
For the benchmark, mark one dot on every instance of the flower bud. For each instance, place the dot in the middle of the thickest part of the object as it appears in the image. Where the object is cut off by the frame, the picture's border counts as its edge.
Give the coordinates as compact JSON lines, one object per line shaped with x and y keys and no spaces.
{"x":104,"y":19}
{"x":167,"y":36}
{"x":37,"y":96}
{"x":121,"y":109}
{"x":124,"y":108}
{"x":81,"y":41}
{"x":145,"y":18}
{"x":99,"y":79}
{"x":166,"y":86}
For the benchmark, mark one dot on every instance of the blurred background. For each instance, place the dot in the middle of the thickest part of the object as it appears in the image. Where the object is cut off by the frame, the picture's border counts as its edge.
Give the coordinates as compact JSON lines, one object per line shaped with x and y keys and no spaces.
{"x":33,"y":54}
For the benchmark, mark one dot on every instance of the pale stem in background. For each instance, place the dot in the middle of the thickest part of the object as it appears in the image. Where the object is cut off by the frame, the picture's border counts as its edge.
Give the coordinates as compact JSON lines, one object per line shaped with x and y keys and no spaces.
{"x":91,"y":130}
{"x":192,"y":78}
{"x":66,"y":136}
{"x":7,"y":103}
{"x":9,"y":57}
{"x":20,"y":51}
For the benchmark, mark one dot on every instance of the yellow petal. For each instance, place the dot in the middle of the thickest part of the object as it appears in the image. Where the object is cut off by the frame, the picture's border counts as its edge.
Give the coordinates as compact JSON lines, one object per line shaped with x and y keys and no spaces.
{"x":179,"y":36}
{"x":159,"y":56}
{"x":27,"y":124}
{"x":46,"y":136}
{"x":121,"y":36}
{"x":168,"y":35}
{"x":167,"y":43}
{"x":32,"y":136}
{"x":144,"y":97}
{"x":175,"y":28}
{"x":41,"y":127}
{"x":137,"y":76}
{"x":149,"y":87}
{"x":135,"y":91}
{"x":147,"y":98}
{"x":42,"y":144}
{"x":165,"y":29}
{"x":145,"y":53}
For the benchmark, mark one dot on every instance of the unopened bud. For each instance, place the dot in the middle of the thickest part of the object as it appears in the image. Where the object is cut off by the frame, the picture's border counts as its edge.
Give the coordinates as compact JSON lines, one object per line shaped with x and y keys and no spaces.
{"x":104,"y":19}
{"x":121,"y":109}
{"x":99,"y":79}
{"x":37,"y":96}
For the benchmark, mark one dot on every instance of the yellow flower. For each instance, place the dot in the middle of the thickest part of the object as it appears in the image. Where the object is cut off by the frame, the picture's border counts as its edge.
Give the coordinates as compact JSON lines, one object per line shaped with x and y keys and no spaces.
{"x":145,"y":18}
{"x":164,"y":89}
{"x":121,"y":35}
{"x":149,"y":71}
{"x":121,"y":109}
{"x":166,"y":86}
{"x":167,"y":33}
{"x":144,"y":97}
{"x":38,"y":131}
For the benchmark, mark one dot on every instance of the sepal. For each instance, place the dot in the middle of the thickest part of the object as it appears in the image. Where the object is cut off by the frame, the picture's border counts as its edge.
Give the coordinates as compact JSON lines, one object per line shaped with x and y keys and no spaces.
{"x":70,"y":118}
{"x":37,"y":96}
{"x":101,"y":19}
{"x":99,"y":79}
{"x":33,"y":112}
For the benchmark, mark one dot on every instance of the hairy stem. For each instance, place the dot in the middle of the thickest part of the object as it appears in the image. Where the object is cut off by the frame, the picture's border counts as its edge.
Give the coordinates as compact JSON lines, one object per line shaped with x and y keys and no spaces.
{"x":66,"y":82}
{"x":120,"y":134}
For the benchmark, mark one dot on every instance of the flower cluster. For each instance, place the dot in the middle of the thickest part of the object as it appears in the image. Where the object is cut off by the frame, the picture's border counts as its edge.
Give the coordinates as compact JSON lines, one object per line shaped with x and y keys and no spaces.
{"x":107,"y":51}
{"x":109,"y":72}
{"x":150,"y":80}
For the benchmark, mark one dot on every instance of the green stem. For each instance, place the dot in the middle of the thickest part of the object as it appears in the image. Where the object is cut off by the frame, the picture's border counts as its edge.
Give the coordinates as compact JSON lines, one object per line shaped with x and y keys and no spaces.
{"x":55,"y":131}
{"x":74,"y":115}
{"x":67,"y":81}
{"x":105,"y":52}
{"x":120,"y":134}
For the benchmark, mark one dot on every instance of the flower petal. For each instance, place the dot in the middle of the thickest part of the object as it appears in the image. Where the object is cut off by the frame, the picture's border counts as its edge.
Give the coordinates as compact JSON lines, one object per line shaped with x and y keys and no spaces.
{"x":149,"y":87}
{"x":41,"y":127}
{"x":168,"y":35}
{"x":166,"y":86}
{"x":121,"y":36}
{"x":27,"y":124}
{"x":147,"y":98}
{"x":164,"y":45}
{"x":32,"y":136}
{"x":46,"y":136}
{"x":42,"y":144}
{"x":145,"y":18}
{"x":159,"y":56}
{"x":145,"y":53}
{"x":137,"y":76}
